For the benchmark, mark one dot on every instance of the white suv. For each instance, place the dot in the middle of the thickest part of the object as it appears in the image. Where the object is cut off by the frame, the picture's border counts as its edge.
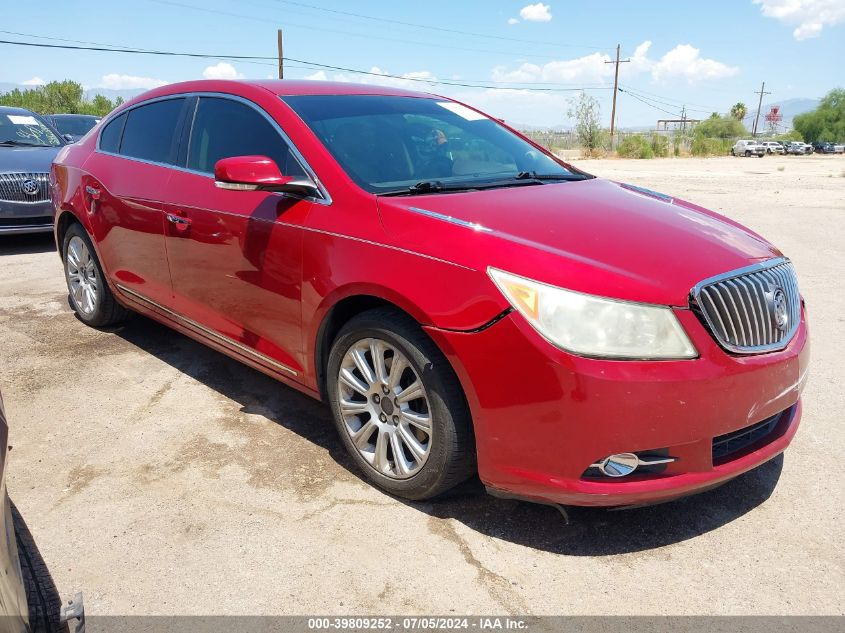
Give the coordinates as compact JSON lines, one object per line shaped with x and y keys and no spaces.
{"x":772,"y":147}
{"x":748,"y":148}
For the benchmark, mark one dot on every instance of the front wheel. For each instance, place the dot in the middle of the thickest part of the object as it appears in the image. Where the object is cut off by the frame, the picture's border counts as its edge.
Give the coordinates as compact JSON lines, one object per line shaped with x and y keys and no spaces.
{"x":747,"y":153}
{"x":399,"y":407}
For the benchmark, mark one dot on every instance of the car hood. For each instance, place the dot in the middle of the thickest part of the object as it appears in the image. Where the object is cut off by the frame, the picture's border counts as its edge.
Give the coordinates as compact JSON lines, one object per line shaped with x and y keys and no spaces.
{"x":594,"y":236}
{"x":27,"y":159}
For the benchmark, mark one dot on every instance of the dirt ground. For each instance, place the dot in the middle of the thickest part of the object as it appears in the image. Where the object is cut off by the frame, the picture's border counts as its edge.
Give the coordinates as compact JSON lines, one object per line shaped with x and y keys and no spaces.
{"x":159,"y":477}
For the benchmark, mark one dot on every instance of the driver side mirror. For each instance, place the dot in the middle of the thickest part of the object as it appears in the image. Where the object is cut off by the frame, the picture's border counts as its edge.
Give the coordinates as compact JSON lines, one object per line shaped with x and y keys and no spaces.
{"x":259,"y":173}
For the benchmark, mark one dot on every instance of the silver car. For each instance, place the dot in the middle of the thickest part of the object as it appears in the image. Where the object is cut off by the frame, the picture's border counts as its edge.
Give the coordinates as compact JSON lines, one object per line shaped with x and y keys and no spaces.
{"x":28,"y":145}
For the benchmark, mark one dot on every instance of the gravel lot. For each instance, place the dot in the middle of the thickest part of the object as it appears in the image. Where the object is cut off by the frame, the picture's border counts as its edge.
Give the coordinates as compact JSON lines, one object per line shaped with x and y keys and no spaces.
{"x":159,"y":477}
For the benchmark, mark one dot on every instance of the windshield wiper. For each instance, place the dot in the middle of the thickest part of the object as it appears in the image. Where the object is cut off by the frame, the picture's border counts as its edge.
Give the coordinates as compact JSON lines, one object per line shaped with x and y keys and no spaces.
{"x":533,"y":175}
{"x":437,"y":186}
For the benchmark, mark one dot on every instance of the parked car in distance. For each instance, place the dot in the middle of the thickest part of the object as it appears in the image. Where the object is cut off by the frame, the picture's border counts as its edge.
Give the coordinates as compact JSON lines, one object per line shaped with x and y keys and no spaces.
{"x":462,"y":299}
{"x":838,"y":148}
{"x":28,"y":599}
{"x":28,"y":144}
{"x":797,"y":148}
{"x":73,"y":126}
{"x":748,"y":148}
{"x":772,"y":147}
{"x":823,"y":147}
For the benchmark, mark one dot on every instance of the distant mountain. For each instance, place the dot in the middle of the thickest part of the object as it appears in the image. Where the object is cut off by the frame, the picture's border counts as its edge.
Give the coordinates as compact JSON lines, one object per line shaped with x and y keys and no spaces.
{"x":789,"y":109}
{"x":108,"y":93}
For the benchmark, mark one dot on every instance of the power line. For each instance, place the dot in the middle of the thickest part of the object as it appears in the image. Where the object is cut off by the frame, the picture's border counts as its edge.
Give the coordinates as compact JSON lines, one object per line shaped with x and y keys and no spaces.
{"x":488,"y":86}
{"x":665,"y":100}
{"x":631,"y":94}
{"x":368,"y":36}
{"x":439,"y":28}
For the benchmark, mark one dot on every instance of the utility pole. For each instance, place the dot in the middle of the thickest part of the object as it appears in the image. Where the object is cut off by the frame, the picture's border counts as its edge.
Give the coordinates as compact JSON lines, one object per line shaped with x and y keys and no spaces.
{"x":759,"y":105}
{"x":684,"y":119}
{"x":281,"y":55}
{"x":615,"y":90}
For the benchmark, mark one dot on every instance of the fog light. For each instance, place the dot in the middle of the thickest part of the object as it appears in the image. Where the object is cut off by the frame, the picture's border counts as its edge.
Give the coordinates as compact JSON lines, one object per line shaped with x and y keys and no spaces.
{"x":618,"y":465}
{"x":622,"y":464}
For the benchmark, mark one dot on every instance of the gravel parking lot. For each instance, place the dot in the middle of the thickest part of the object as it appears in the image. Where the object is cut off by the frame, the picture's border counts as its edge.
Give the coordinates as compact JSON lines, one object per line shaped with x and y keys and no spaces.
{"x":160,"y":477}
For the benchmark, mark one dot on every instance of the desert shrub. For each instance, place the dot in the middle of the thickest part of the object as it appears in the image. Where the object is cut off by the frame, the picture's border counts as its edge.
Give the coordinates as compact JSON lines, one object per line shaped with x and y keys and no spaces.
{"x":660,"y":145}
{"x":635,"y":146}
{"x":702,"y":146}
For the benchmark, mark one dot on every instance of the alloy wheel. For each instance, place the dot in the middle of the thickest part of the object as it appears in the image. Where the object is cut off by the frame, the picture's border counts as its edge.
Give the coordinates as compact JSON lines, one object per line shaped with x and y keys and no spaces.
{"x":385,"y":408}
{"x":82,"y":276}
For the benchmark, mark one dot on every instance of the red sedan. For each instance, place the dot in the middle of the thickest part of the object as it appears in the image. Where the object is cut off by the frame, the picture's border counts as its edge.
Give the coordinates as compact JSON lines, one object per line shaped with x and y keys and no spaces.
{"x":463,"y":300}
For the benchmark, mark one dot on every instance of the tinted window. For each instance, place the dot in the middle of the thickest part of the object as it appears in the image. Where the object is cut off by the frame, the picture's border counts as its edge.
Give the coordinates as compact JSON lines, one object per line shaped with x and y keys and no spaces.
{"x":224,"y":128}
{"x":110,"y":136}
{"x":388,"y":143}
{"x":149,"y":131}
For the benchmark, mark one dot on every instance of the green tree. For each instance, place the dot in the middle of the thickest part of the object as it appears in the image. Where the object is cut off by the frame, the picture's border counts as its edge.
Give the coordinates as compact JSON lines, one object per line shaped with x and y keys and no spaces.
{"x":723,"y":127}
{"x":59,"y":97}
{"x":586,"y":111}
{"x":739,"y":110}
{"x":826,"y":122}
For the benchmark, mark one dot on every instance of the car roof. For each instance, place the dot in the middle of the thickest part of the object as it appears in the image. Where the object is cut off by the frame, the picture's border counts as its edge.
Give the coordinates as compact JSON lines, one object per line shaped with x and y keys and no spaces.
{"x":281,"y":87}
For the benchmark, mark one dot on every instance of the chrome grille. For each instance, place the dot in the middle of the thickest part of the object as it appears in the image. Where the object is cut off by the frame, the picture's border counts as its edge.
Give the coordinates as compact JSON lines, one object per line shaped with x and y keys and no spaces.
{"x":12,"y":187}
{"x":751,"y":310}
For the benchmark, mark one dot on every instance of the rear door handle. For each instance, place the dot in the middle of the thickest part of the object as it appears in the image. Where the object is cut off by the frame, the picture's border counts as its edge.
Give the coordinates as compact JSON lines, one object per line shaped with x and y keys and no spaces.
{"x":175,"y":219}
{"x":93,"y":192}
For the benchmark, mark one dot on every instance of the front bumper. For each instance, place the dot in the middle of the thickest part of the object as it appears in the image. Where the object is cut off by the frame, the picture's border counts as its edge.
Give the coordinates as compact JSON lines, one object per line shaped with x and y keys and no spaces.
{"x":542,"y":416}
{"x":26,"y":217}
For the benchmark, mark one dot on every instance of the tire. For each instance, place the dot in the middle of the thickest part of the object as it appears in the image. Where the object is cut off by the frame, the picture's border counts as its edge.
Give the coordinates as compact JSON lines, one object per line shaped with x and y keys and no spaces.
{"x":42,"y":598}
{"x":760,"y":155}
{"x":747,"y":153}
{"x":99,"y":309}
{"x":733,"y":153}
{"x":450,"y":446}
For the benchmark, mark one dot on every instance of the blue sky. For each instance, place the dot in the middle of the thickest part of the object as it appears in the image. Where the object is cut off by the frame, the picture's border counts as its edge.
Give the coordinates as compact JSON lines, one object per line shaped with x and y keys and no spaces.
{"x":707,"y":55}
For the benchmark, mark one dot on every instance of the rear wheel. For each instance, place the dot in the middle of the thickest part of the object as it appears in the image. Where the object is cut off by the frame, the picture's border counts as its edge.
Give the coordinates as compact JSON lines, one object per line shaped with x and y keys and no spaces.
{"x":90,"y":295}
{"x":747,"y":153}
{"x":398,"y":406}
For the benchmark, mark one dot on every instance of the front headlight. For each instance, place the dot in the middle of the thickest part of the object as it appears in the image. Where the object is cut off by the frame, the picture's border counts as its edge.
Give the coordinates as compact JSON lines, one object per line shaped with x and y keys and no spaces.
{"x":595,"y":326}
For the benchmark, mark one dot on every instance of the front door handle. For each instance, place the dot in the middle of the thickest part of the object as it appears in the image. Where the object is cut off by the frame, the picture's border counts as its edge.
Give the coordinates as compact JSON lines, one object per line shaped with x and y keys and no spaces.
{"x":175,"y":219}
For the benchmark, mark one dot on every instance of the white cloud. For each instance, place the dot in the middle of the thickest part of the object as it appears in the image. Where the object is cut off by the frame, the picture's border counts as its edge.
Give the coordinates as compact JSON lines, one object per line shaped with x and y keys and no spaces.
{"x":222,"y":70}
{"x":115,"y":81}
{"x":686,"y":61}
{"x":536,"y":13}
{"x":809,"y":16}
{"x":35,"y":81}
{"x":411,"y":80}
{"x":682,"y":61}
{"x":513,"y":21}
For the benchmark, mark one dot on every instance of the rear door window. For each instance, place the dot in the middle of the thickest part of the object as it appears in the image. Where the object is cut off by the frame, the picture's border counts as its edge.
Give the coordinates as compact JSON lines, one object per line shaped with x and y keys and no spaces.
{"x":224,"y":128}
{"x":150,"y":131}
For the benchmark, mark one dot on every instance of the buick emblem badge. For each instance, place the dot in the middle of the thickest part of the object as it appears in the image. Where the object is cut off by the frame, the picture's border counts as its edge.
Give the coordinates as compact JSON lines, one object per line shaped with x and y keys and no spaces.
{"x":29,"y":187}
{"x":779,"y":311}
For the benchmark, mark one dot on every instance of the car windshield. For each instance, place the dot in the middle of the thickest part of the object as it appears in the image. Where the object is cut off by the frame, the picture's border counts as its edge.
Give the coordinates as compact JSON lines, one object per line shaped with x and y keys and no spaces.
{"x":390,"y":144}
{"x":26,"y":129}
{"x":75,"y":125}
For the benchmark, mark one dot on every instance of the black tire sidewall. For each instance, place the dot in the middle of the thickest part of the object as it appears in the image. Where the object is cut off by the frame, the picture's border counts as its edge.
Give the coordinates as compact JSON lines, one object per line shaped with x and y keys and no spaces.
{"x":433,"y":372}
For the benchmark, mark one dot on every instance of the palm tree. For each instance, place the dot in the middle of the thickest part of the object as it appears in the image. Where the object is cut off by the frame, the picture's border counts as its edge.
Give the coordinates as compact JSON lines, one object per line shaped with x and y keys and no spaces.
{"x":738,"y":111}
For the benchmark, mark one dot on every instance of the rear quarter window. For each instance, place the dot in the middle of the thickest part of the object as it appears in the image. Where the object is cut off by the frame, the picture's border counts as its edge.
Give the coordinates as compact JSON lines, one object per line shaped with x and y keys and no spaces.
{"x":110,"y":136}
{"x":149,"y":132}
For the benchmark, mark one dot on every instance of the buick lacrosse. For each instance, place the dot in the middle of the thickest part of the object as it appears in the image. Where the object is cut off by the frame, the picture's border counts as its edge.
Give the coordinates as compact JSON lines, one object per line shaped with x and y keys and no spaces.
{"x":463,"y":300}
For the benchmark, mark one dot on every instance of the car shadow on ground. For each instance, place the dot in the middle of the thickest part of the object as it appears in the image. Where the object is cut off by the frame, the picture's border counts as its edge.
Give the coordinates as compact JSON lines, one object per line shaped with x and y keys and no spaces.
{"x":589,"y":532}
{"x":27,"y":244}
